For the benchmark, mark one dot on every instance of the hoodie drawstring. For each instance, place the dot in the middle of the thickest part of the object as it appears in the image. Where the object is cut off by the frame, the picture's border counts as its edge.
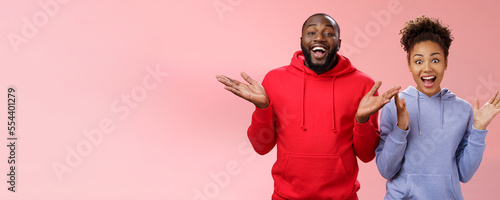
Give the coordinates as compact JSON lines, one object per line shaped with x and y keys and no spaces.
{"x":303,"y":102}
{"x":442,"y":108}
{"x":303,"y":97}
{"x":333,"y":106}
{"x":441,"y":94}
{"x":418,"y":114}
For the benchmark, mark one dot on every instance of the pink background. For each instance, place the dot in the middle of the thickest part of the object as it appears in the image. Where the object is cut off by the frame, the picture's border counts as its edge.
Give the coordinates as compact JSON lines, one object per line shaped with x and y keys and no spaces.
{"x":81,"y":57}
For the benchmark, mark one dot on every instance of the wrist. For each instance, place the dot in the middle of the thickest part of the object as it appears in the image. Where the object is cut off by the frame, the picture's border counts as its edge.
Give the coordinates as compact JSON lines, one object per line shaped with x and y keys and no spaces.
{"x":403,"y":127}
{"x":361,"y":119}
{"x":479,"y":127}
{"x":262,"y":105}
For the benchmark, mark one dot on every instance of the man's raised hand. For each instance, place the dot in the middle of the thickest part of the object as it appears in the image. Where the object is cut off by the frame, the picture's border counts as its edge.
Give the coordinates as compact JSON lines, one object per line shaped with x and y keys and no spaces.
{"x":370,"y":104}
{"x":253,"y":92}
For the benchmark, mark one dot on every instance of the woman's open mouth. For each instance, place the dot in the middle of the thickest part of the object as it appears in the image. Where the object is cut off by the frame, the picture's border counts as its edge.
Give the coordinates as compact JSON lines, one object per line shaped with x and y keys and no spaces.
{"x":428,"y":81}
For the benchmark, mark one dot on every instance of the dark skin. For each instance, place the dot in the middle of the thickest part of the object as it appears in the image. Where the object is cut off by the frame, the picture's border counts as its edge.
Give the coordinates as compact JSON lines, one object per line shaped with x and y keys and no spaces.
{"x":319,"y":31}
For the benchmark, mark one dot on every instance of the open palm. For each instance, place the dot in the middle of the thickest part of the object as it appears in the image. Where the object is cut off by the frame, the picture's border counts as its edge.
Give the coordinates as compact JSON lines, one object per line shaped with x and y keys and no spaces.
{"x":370,"y":103}
{"x":253,"y":92}
{"x":484,"y":115}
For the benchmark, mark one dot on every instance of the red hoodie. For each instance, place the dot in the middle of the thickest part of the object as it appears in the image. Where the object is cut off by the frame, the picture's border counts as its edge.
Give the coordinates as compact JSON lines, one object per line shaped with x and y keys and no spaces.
{"x":312,"y":120}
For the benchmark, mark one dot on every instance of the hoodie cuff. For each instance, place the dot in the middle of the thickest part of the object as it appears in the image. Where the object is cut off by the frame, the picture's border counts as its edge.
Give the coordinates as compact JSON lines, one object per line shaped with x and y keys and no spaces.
{"x":478,"y":136}
{"x":363,"y":129}
{"x":263,"y":114}
{"x":399,"y":135}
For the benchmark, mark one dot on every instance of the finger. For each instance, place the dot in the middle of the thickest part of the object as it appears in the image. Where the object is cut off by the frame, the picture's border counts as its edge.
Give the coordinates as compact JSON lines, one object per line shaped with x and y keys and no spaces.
{"x":391,"y":92}
{"x":492,"y":99}
{"x":497,"y":99}
{"x":247,"y":78}
{"x":374,"y":88}
{"x":396,"y":100}
{"x":234,"y":91}
{"x":221,"y":77}
{"x":224,"y":80}
{"x":234,"y":81}
{"x":229,"y":81}
{"x":403,"y":102}
{"x":476,"y":104}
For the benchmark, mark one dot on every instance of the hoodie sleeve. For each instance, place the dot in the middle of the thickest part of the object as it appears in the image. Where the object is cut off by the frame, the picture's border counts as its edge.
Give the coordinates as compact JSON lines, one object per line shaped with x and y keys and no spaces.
{"x":262,"y":131}
{"x":392,"y":146}
{"x":470,"y":151}
{"x":366,"y":138}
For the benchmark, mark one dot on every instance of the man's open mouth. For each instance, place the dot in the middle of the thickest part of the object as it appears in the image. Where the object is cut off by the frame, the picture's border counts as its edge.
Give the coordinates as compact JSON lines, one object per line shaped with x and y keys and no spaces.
{"x":318,"y":52}
{"x":428,"y":81}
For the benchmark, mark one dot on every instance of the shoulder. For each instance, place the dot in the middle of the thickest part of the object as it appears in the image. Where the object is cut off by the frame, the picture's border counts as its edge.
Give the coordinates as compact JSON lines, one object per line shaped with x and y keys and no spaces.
{"x":361,"y":75}
{"x":361,"y":78}
{"x":461,"y":104}
{"x":277,"y":75}
{"x":278,"y":72}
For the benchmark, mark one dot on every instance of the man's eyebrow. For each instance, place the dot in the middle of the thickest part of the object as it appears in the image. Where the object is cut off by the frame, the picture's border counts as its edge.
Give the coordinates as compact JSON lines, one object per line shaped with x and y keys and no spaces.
{"x":329,"y":25}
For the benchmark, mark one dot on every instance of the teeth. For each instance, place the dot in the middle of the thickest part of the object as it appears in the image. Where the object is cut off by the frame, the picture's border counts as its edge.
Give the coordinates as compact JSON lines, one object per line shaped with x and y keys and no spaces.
{"x":428,"y":77}
{"x":319,"y":49}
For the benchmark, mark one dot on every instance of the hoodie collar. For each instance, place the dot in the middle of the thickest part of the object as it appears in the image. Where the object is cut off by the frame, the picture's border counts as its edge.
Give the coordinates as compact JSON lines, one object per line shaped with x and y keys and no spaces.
{"x":445,"y":93}
{"x":441,"y":95}
{"x":343,"y":67}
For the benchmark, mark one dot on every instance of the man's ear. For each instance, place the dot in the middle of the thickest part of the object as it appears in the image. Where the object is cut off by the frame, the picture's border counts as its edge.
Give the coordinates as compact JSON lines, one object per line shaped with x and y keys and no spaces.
{"x":340,"y":42}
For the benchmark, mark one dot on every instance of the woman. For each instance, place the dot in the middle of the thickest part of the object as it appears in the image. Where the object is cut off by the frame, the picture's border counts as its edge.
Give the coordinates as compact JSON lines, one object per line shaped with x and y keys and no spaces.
{"x":430,"y":139}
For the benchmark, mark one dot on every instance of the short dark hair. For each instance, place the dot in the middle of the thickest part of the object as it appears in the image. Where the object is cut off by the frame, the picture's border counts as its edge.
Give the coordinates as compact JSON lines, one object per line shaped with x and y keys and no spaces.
{"x":424,"y":28}
{"x":326,"y":15}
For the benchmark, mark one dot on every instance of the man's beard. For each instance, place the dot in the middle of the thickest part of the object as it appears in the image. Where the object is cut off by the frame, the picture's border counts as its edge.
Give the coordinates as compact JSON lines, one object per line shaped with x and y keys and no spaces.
{"x":320,"y":68}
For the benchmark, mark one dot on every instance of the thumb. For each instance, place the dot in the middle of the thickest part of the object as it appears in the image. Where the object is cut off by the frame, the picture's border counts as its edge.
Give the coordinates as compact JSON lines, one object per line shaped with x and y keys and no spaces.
{"x":247,"y":78}
{"x":403,"y":102}
{"x":374,"y":88}
{"x":476,"y":104}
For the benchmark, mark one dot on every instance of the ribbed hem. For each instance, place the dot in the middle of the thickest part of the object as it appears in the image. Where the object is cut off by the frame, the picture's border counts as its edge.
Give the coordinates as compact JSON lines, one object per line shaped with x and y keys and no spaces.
{"x":399,"y":135}
{"x":363,"y":129}
{"x":478,"y":136}
{"x":265,"y":114}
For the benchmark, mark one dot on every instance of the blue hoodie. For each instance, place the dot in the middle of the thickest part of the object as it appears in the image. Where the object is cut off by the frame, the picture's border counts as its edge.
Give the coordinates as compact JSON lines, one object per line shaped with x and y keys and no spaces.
{"x":440,"y":148}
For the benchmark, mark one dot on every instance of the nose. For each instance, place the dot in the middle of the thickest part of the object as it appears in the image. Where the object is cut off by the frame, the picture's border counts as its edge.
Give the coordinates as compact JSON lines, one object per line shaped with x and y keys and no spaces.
{"x":319,"y":37}
{"x":427,"y":67}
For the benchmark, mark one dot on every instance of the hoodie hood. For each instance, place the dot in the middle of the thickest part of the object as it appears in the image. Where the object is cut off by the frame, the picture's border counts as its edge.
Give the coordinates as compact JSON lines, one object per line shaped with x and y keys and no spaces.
{"x":343,"y":67}
{"x":442,"y":95}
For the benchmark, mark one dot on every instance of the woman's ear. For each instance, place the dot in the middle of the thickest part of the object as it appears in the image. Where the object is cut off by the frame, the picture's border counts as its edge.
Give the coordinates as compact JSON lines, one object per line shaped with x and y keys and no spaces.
{"x":408,"y":59}
{"x":409,"y":66}
{"x":445,"y":64}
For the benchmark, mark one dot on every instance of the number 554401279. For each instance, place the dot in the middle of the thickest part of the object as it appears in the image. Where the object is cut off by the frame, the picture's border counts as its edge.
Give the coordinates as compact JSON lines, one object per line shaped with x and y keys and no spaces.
{"x":11,"y":100}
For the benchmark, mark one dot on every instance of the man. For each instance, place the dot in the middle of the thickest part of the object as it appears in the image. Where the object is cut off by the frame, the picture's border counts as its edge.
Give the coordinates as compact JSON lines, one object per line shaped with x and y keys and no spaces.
{"x":320,"y":111}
